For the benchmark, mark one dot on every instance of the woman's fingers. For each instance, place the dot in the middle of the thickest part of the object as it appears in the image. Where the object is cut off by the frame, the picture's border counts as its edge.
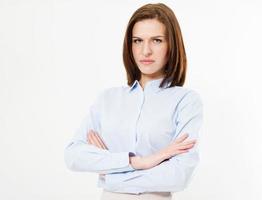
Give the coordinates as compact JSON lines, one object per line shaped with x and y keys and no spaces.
{"x":181,"y":138}
{"x":186,"y":143}
{"x":181,"y":151}
{"x":91,"y":140}
{"x":179,"y":146}
{"x":99,"y":139}
{"x":181,"y":141}
{"x":185,"y":147}
{"x":94,"y":139}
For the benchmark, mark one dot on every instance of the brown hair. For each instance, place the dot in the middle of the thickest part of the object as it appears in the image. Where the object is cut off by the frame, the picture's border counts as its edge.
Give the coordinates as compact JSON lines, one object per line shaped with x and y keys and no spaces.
{"x":175,"y":69}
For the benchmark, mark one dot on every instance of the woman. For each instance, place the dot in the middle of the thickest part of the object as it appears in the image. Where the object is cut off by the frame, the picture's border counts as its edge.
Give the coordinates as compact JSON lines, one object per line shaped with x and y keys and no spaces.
{"x":141,"y":138}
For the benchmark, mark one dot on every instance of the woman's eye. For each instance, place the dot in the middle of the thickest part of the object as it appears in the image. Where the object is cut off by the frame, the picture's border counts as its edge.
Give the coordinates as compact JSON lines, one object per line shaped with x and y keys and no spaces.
{"x":137,"y":41}
{"x":157,"y":40}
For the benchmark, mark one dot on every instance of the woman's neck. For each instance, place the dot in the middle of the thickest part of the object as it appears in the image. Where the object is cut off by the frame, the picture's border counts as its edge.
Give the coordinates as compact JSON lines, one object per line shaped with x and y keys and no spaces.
{"x":145,"y":79}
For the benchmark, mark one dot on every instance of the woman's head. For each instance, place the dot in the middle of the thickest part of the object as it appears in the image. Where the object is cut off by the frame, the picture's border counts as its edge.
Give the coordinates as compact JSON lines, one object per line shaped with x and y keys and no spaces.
{"x":153,"y":34}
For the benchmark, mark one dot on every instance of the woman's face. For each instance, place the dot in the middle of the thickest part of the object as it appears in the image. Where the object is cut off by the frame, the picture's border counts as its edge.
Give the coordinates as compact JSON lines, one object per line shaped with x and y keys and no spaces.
{"x":149,"y":47}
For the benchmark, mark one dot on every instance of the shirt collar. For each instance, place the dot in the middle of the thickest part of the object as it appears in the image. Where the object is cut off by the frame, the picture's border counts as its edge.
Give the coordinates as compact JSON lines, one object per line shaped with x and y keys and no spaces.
{"x":150,"y":85}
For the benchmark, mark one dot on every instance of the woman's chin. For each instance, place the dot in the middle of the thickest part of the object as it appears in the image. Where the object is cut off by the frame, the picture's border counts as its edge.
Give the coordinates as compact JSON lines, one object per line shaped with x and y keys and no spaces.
{"x":148,"y":71}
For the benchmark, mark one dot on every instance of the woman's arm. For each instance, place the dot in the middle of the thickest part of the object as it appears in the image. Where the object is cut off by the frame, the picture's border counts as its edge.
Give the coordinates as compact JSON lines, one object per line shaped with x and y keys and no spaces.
{"x":81,"y":156}
{"x":176,"y":147}
{"x":175,"y":173}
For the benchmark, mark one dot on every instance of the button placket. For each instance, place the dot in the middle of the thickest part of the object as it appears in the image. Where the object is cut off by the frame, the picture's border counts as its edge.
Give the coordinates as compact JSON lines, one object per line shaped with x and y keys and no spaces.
{"x":142,"y":101}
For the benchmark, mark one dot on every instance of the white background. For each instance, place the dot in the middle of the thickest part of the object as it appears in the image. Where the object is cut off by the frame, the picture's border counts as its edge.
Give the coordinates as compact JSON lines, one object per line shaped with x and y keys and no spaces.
{"x":56,"y":56}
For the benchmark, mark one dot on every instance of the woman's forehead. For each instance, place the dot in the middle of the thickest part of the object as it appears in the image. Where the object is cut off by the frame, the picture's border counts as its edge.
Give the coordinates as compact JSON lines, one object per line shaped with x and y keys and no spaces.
{"x":149,"y":28}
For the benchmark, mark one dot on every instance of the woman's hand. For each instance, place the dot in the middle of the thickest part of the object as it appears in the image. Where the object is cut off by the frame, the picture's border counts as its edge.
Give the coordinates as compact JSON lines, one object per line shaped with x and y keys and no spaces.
{"x":94,"y":139}
{"x":145,"y":162}
{"x":176,"y":147}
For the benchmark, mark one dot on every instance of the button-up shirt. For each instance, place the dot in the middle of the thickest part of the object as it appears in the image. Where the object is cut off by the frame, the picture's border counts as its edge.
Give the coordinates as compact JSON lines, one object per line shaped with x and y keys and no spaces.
{"x":131,"y":119}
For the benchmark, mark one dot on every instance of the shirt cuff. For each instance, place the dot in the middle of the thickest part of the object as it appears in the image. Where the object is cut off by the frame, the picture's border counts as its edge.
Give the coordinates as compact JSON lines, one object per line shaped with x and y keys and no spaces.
{"x":122,"y":162}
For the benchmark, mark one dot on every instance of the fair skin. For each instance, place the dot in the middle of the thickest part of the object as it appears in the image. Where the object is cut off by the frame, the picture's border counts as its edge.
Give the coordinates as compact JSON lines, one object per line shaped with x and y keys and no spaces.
{"x":179,"y":146}
{"x":149,"y":49}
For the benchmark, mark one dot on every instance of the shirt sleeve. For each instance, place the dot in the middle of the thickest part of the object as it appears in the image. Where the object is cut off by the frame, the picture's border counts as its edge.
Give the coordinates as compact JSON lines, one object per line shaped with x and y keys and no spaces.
{"x":175,"y":173}
{"x":81,"y":156}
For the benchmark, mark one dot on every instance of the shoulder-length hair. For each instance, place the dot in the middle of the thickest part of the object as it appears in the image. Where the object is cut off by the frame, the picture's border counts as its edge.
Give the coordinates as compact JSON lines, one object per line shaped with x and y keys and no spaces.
{"x":175,"y":68}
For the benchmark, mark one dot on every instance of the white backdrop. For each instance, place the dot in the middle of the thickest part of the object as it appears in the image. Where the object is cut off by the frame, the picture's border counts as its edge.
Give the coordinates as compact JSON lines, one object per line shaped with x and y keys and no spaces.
{"x":56,"y":56}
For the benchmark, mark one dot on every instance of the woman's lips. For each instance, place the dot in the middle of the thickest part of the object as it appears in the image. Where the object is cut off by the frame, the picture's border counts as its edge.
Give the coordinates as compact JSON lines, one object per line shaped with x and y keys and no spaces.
{"x":147,"y":62}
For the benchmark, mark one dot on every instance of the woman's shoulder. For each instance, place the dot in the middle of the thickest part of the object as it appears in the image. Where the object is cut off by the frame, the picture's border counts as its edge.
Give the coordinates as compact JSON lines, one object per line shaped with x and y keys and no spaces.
{"x":186,"y":94}
{"x":113,"y":91}
{"x":184,"y":90}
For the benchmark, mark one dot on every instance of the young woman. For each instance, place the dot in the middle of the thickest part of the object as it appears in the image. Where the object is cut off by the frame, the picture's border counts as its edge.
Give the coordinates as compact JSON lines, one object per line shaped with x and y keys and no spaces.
{"x":141,"y":138}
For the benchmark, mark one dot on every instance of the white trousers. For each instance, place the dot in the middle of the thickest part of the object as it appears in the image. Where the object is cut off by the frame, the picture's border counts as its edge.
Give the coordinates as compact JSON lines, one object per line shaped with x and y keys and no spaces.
{"x":106,"y":195}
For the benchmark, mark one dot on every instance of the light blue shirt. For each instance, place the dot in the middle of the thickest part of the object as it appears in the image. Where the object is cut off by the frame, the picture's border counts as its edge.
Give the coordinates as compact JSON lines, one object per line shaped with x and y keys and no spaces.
{"x":130,"y":119}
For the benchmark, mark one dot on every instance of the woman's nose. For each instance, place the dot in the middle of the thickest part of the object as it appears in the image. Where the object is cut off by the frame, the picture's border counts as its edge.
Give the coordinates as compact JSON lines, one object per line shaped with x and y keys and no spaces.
{"x":146,"y":49}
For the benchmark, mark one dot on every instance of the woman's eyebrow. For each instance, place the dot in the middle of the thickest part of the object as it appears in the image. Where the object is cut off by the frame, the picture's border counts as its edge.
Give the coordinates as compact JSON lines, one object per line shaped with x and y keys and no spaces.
{"x":157,"y":36}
